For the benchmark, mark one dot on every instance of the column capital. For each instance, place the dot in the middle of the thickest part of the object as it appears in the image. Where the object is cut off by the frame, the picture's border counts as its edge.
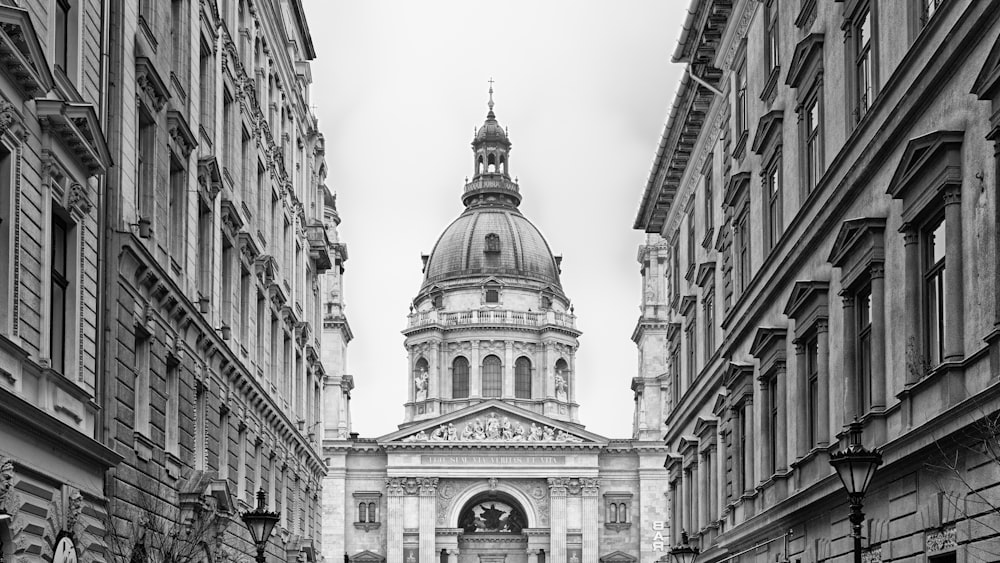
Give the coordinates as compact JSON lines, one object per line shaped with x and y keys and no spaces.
{"x":952,"y":194}
{"x":910,"y":237}
{"x":453,"y":552}
{"x":427,"y":486}
{"x":590,"y":485}
{"x":822,"y":325}
{"x":877,"y":270}
{"x":558,"y":485}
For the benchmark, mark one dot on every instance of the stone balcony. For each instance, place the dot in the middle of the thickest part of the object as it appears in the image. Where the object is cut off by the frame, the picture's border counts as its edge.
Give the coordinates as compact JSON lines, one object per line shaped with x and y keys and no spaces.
{"x":491,"y":184}
{"x":492,"y":317}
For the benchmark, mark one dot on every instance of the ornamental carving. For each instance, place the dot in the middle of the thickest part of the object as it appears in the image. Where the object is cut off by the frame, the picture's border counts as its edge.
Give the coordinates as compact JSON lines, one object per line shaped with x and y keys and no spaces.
{"x":493,"y":429}
{"x":76,"y":197}
{"x":942,"y":540}
{"x":6,"y":116}
{"x":427,"y":485}
{"x":6,"y":484}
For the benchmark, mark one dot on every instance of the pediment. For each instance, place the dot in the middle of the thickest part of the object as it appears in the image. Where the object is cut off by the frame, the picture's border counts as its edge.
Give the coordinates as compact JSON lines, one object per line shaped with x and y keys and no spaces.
{"x":366,"y":557}
{"x":24,"y":57}
{"x":768,"y":132}
{"x":493,"y":422}
{"x":988,"y":79}
{"x":806,"y":295}
{"x":925,"y":159}
{"x":77,"y":126}
{"x":736,"y":190}
{"x":808,"y":56}
{"x":618,"y":557}
{"x":853,"y":234}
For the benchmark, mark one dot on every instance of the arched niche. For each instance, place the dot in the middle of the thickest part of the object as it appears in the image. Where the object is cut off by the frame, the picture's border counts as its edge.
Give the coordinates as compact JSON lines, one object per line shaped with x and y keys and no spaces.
{"x":484,"y":494}
{"x":492,"y":512}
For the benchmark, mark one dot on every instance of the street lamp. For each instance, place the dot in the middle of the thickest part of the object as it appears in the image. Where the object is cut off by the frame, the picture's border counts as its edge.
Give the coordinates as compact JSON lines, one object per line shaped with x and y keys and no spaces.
{"x":260,"y":522}
{"x":856,"y":466}
{"x":685,"y":552}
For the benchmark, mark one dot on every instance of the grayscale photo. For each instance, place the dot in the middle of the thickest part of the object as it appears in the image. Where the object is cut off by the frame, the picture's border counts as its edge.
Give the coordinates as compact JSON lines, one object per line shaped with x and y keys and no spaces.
{"x":537,"y":281}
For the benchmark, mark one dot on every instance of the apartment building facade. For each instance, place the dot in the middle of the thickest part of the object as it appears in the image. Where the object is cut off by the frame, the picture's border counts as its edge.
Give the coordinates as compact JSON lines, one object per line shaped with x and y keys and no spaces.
{"x":821,"y":220}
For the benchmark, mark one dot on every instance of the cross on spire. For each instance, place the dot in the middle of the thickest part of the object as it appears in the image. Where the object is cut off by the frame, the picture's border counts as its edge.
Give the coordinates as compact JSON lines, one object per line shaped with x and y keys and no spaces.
{"x":491,"y":93}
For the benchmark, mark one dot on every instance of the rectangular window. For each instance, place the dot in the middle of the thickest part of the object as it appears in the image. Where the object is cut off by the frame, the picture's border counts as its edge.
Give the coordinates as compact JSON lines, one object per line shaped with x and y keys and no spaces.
{"x":690,"y":238}
{"x":241,"y":468}
{"x":142,"y":404}
{"x":261,"y":211}
{"x":200,"y":427}
{"x":742,"y":120}
{"x":224,"y":444}
{"x":178,"y":25}
{"x":172,"y":424}
{"x":934,"y":295}
{"x":745,"y":427}
{"x":178,"y":211}
{"x":812,"y":143}
{"x":771,"y":34}
{"x":245,"y":284}
{"x":62,"y":39}
{"x":863,"y":75}
{"x":59,"y":325}
{"x":206,"y":73}
{"x":675,"y":274}
{"x":275,"y":351}
{"x":772,"y":209}
{"x":812,"y":392}
{"x":7,"y":218}
{"x":146,"y":165}
{"x":709,"y":207}
{"x":206,"y":230}
{"x":772,"y":425}
{"x":287,"y":375}
{"x":709,"y":325}
{"x":228,"y":282}
{"x":863,"y":311}
{"x":259,"y":345}
{"x":228,"y":129}
{"x":245,"y":167}
{"x":675,"y":375}
{"x":692,"y":351}
{"x":742,"y":236}
{"x":258,"y":472}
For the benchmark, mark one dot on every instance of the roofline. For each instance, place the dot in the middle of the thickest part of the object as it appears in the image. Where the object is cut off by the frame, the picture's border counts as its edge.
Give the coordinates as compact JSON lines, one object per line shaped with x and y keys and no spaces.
{"x":300,"y":16}
{"x":689,"y":21}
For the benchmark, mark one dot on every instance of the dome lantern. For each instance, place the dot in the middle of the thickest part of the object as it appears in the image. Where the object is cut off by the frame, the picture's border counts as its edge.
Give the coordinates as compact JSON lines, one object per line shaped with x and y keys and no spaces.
{"x":491,"y":183}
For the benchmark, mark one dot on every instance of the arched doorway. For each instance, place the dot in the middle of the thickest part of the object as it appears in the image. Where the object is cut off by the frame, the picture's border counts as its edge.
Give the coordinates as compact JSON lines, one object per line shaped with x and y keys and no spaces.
{"x":491,"y":524}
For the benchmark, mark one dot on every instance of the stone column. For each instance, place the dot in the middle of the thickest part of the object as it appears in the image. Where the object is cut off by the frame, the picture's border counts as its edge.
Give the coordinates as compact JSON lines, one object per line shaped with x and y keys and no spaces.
{"x":878,"y":391}
{"x":394,"y":519}
{"x":475,"y":389}
{"x":748,"y":413}
{"x":411,"y":393}
{"x":508,"y":371}
{"x":847,"y":366}
{"x":591,"y":517}
{"x":954,"y":345}
{"x":911,"y":295}
{"x":557,"y":519}
{"x":802,"y":444}
{"x":547,"y":378}
{"x":532,"y":556}
{"x":823,"y":381}
{"x":428,"y":518}
{"x":434,"y":371}
{"x":781,"y":443}
{"x":444,"y":371}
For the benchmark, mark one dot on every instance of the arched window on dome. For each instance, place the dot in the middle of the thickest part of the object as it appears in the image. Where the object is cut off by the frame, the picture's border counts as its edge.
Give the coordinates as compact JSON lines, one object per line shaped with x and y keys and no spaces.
{"x":491,"y":164}
{"x":479,"y":165}
{"x":503,"y":165}
{"x":522,"y":378}
{"x":492,"y":243}
{"x":492,"y":376}
{"x":460,"y":378}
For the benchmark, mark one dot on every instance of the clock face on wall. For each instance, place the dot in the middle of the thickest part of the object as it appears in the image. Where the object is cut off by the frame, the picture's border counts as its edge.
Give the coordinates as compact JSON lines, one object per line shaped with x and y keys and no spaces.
{"x":65,"y":551}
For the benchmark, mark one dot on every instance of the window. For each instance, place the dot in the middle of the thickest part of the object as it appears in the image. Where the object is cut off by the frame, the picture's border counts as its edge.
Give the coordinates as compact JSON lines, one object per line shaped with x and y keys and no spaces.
{"x":927,"y":10}
{"x":934,"y":295}
{"x":178,"y":211}
{"x":492,"y":376}
{"x":65,"y":48}
{"x":741,"y":233}
{"x":224,"y":442}
{"x":709,"y":303}
{"x":675,"y":374}
{"x":772,"y":210}
{"x":772,"y":424}
{"x":228,"y":282}
{"x":675,"y":271}
{"x":367,"y":517}
{"x":60,"y":320}
{"x":741,"y":103}
{"x":259,"y":345}
{"x":692,"y":351}
{"x":813,"y":421}
{"x":864,"y":83}
{"x":246,"y":282}
{"x":206,"y":63}
{"x":492,"y":294}
{"x":522,"y":378}
{"x":275,"y":365}
{"x":8,"y":198}
{"x":863,"y":312}
{"x":690,"y":239}
{"x":812,"y":131}
{"x":142,"y":404}
{"x":178,"y":28}
{"x":241,"y":467}
{"x":771,"y":34}
{"x":146,"y":165}
{"x":460,"y":378}
{"x":492,"y":243}
{"x":206,"y":230}
{"x":228,"y":128}
{"x":745,"y":426}
{"x":709,"y":207}
{"x":172,"y":423}
{"x":616,"y":510}
{"x":200,"y":427}
{"x":245,"y":166}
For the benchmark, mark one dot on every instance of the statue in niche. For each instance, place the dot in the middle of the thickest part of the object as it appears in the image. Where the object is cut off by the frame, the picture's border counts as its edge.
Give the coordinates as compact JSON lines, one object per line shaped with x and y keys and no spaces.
{"x":491,"y":517}
{"x":515,"y":521}
{"x":561,"y":387}
{"x":420,"y":382}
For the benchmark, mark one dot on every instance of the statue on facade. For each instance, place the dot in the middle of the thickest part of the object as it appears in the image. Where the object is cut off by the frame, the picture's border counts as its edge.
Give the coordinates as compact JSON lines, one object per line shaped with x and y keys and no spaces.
{"x":420,"y":382}
{"x":452,"y":435}
{"x":492,"y":427}
{"x":518,"y":433}
{"x":506,"y":431}
{"x":440,"y":433}
{"x":534,"y":433}
{"x":548,"y":434}
{"x":561,"y":387}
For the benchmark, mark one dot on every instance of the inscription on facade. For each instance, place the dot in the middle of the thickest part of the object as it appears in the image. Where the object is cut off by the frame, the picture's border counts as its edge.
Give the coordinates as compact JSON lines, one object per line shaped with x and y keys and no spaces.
{"x":493,"y":459}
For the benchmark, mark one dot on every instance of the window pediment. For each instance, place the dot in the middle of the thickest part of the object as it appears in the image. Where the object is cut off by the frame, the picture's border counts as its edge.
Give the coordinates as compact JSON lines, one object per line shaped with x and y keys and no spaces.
{"x":23,"y":54}
{"x":672,"y":330}
{"x":736,"y":193}
{"x":248,"y":247}
{"x":988,"y":80}
{"x":807,"y":61}
{"x":687,"y":304}
{"x":859,"y":244}
{"x":807,"y":304}
{"x":151,"y":83}
{"x":929,"y":164}
{"x":769,"y":348}
{"x":78,"y":129}
{"x":180,"y":133}
{"x":768,"y":135}
{"x":704,"y":428}
{"x":738,"y":374}
{"x":705,"y":274}
{"x":209,"y":178}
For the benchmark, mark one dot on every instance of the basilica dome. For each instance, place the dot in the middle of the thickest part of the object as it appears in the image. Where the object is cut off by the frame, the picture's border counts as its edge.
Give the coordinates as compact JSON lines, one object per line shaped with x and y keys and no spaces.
{"x":485,"y":241}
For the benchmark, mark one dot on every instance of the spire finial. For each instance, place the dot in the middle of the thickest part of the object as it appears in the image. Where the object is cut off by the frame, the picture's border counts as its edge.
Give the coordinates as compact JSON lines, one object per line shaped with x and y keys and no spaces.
{"x":491,"y":94}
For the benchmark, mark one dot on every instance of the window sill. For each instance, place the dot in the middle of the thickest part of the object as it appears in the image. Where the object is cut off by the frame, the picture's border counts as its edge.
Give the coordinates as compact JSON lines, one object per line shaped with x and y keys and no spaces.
{"x":173,"y":465}
{"x":143,"y":446}
{"x":617,"y":526}
{"x":367,"y":526}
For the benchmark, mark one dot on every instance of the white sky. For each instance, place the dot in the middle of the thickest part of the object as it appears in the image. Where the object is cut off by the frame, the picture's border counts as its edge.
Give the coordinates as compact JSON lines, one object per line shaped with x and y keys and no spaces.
{"x":584,"y":87}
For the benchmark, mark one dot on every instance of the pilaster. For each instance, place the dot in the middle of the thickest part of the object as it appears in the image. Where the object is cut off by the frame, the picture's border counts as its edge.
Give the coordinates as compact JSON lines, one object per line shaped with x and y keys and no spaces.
{"x":428,"y":500}
{"x":591,"y":517}
{"x":557,"y":507}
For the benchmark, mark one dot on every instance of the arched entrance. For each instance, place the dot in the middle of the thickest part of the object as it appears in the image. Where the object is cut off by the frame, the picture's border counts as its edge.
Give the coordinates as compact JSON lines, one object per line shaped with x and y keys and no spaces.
{"x":491,"y":524}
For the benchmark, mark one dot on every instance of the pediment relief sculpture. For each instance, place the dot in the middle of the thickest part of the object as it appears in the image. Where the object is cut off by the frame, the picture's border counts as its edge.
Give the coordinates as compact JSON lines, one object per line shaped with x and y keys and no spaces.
{"x":493,"y":428}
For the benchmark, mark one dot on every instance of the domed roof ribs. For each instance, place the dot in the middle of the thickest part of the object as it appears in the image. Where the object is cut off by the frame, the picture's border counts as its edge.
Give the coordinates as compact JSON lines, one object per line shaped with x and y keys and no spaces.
{"x":518,"y":249}
{"x":470,"y":231}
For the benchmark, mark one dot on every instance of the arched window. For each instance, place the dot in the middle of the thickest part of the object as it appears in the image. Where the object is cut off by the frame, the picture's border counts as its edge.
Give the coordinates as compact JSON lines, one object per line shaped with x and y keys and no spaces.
{"x":479,"y":165}
{"x":612,"y":513}
{"x":491,"y":164}
{"x":522,"y":378}
{"x":562,"y":379}
{"x":503,"y":165}
{"x":460,"y":378}
{"x":621,"y":513}
{"x":362,"y":512}
{"x":371,"y":512}
{"x":492,"y":377}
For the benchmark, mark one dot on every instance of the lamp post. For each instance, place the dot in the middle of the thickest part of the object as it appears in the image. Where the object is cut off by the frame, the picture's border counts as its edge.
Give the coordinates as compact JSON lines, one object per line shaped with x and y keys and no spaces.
{"x":261,"y":523}
{"x":684,"y":552}
{"x":856,"y":466}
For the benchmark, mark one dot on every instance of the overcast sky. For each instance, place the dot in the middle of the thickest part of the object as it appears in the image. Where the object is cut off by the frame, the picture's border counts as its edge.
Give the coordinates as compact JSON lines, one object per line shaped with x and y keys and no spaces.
{"x":584,"y":87}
